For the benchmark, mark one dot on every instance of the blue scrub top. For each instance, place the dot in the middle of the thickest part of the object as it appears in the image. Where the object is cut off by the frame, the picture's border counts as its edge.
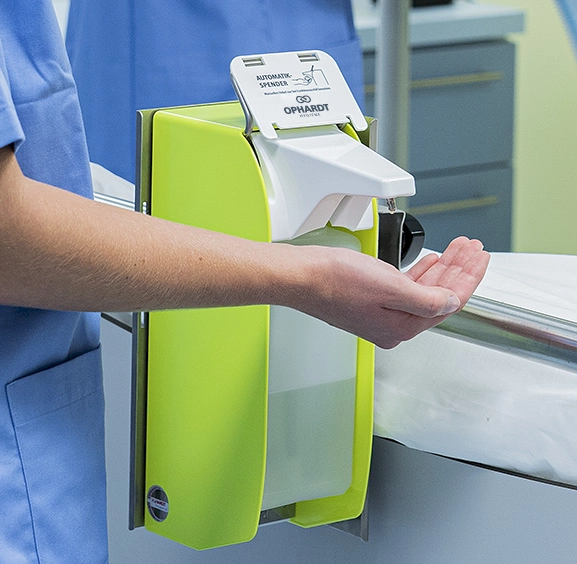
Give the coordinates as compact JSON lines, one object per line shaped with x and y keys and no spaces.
{"x":52,"y":507}
{"x":129,"y":55}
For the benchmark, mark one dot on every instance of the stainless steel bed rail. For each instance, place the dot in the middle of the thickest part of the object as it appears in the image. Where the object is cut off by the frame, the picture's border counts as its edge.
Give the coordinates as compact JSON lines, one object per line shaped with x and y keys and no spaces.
{"x":515,"y":330}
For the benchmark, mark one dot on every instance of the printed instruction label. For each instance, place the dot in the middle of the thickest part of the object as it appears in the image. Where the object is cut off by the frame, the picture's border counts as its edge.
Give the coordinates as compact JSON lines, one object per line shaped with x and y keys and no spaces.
{"x":295,"y":89}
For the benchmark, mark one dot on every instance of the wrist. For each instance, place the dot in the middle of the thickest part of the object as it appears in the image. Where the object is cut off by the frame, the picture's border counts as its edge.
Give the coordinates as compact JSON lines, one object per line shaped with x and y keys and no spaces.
{"x":295,"y":276}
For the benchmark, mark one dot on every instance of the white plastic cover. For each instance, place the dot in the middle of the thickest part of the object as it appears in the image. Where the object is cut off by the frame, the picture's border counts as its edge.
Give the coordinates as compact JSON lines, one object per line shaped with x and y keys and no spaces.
{"x":294,"y":89}
{"x":450,"y":397}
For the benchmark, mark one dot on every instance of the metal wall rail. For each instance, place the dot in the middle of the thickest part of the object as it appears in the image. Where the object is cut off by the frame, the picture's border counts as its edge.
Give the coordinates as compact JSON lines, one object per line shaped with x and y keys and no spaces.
{"x":515,"y":330}
{"x":113,"y":201}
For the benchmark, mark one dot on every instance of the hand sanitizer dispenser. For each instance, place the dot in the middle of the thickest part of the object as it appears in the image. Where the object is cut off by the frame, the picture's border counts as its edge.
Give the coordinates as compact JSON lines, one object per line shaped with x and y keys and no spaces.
{"x":243,"y":413}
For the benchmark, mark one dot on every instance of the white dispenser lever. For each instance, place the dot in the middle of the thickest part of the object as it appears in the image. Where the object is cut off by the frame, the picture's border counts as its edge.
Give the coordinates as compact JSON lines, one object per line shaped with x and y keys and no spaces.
{"x":318,"y":175}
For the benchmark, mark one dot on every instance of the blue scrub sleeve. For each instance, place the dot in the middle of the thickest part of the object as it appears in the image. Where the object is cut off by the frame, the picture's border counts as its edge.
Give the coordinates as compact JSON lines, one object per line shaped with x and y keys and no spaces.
{"x":10,"y":129}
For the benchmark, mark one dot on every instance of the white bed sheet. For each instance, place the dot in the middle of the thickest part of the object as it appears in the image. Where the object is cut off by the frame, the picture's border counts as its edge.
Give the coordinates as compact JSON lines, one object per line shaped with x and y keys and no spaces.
{"x":450,"y":397}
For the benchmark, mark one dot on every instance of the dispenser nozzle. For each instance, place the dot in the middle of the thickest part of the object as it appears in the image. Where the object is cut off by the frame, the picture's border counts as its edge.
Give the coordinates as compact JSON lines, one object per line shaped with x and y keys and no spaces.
{"x":391,"y":204}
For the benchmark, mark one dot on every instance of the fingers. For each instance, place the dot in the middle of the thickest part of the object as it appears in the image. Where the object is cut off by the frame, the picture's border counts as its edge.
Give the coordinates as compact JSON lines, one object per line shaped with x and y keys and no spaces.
{"x":418,"y":269}
{"x":432,"y":267}
{"x":460,"y":268}
{"x":455,"y":256}
{"x":464,"y":276}
{"x":444,"y":284}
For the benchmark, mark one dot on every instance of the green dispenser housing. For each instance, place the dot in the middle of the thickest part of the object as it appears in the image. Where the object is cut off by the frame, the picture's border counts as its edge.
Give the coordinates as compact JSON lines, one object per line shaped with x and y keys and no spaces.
{"x":242,"y":414}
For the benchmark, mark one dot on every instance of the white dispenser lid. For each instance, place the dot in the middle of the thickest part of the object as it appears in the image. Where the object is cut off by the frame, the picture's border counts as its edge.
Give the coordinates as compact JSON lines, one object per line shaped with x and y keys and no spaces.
{"x":295,"y":89}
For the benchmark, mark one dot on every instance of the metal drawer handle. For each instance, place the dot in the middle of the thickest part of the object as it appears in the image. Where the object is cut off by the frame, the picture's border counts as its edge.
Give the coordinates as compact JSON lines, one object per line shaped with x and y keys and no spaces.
{"x":457,"y":80}
{"x":467,"y":204}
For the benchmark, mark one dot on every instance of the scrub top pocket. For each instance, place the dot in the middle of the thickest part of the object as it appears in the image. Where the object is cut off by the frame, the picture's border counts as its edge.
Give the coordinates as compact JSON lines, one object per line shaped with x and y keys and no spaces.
{"x":58,"y":418}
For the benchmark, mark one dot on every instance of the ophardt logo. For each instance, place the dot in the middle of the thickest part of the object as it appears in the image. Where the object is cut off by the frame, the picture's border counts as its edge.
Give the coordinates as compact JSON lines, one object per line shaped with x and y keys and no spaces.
{"x":157,"y":503}
{"x":304,"y":108}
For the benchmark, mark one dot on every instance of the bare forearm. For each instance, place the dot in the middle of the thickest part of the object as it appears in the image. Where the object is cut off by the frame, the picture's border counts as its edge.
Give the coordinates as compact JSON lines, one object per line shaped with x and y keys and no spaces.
{"x":66,"y":252}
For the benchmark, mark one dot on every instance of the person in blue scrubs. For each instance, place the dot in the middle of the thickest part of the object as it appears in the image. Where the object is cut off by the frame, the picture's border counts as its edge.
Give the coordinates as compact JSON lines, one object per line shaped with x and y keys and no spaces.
{"x":62,"y":253}
{"x":52,"y":507}
{"x":129,"y":55}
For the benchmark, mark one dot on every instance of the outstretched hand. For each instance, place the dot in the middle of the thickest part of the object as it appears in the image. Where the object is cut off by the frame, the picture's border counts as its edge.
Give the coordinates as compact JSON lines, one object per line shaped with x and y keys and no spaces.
{"x":459,"y":269}
{"x":375,"y":301}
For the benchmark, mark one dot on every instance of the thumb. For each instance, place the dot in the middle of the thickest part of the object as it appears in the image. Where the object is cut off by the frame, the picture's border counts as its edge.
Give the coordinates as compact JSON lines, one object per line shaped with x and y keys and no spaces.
{"x":427,"y":301}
